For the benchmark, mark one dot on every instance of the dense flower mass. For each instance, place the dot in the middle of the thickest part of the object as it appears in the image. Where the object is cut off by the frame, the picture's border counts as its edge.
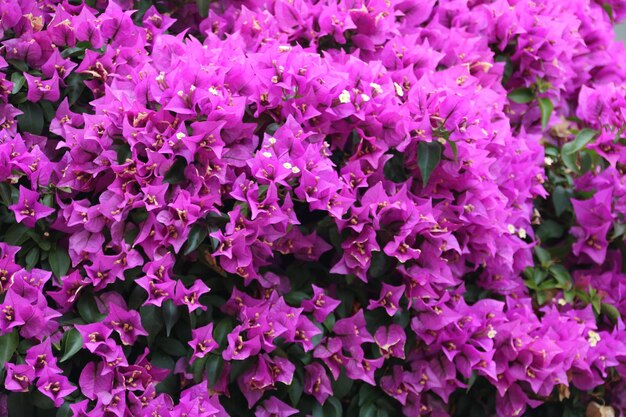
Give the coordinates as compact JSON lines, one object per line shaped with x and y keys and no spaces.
{"x":280,"y":208}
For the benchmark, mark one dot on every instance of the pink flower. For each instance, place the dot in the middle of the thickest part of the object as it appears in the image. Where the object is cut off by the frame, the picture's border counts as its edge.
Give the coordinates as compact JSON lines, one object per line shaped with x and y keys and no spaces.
{"x":202,"y":341}
{"x":28,"y":209}
{"x":19,"y":377}
{"x":55,"y":386}
{"x":273,"y":407}
{"x":316,"y":382}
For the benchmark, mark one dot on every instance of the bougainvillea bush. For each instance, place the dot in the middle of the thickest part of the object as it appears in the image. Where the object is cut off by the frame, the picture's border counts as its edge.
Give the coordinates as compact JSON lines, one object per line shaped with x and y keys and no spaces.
{"x":280,"y":208}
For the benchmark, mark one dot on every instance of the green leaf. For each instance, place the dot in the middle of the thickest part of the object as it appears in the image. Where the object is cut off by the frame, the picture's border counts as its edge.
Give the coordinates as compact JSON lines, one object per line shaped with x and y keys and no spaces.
{"x":161,"y":360}
{"x":619,"y":229}
{"x":549,"y":229}
{"x":75,"y":86}
{"x":176,"y":173}
{"x":197,"y":368}
{"x":40,"y":240}
{"x":59,"y":261}
{"x":544,"y":256}
{"x":172,"y":347}
{"x":123,"y":153}
{"x":142,"y":6}
{"x":151,"y":320}
{"x":65,"y":410}
{"x":68,"y":52}
{"x":382,"y":413}
{"x":138,"y":215}
{"x":18,"y":81}
{"x":609,"y":10}
{"x":534,"y":277}
{"x":295,"y":298}
{"x":587,"y":160}
{"x":560,"y":200}
{"x":542,"y":85}
{"x":72,"y":342}
{"x":562,"y":276}
{"x":213,"y":369}
{"x":369,"y":410}
{"x":394,"y":168}
{"x":366,"y":394}
{"x":169,"y":385}
{"x":32,"y":118}
{"x":470,"y":382}
{"x":582,"y":139}
{"x":131,"y":235}
{"x":272,"y":128}
{"x":8,"y":344}
{"x":333,"y":408}
{"x":329,"y":323}
{"x":20,"y":65}
{"x":88,"y":309}
{"x":546,"y":107}
{"x":318,"y":410}
{"x":215,"y":243}
{"x":171,"y":314}
{"x":380,"y":264}
{"x":552,"y":150}
{"x":610,"y":311}
{"x":455,"y":149}
{"x":541,"y":297}
{"x":343,"y":385}
{"x":295,"y":391}
{"x":223,"y":328}
{"x":203,"y":7}
{"x":570,"y":161}
{"x":49,"y":110}
{"x":239,"y":367}
{"x":196,"y":236}
{"x":428,"y":157}
{"x":5,"y":193}
{"x":596,"y":300}
{"x":32,"y":257}
{"x":521,"y":95}
{"x":16,"y":234}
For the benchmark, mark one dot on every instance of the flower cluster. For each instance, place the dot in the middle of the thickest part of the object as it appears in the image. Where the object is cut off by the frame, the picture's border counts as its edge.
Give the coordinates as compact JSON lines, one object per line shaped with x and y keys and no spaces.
{"x":338,"y":208}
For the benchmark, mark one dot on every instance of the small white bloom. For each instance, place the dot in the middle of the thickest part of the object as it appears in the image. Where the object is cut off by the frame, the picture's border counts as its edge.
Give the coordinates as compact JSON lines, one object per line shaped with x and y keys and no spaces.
{"x":399,"y":90}
{"x":365,"y":97}
{"x":295,"y":170}
{"x":180,"y":93}
{"x":593,"y":338}
{"x":213,"y":90}
{"x":376,"y":87}
{"x":511,"y":228}
{"x":491,"y":333}
{"x":548,"y":161}
{"x":344,"y":97}
{"x":287,"y":165}
{"x":180,"y":135}
{"x":561,"y":301}
{"x":267,"y":154}
{"x":284,"y":48}
{"x":521,"y":233}
{"x":272,"y":140}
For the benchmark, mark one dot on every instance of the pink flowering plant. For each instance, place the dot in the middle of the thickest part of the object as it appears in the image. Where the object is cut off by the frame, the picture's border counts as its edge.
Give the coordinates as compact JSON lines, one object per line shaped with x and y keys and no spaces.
{"x":277,"y":208}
